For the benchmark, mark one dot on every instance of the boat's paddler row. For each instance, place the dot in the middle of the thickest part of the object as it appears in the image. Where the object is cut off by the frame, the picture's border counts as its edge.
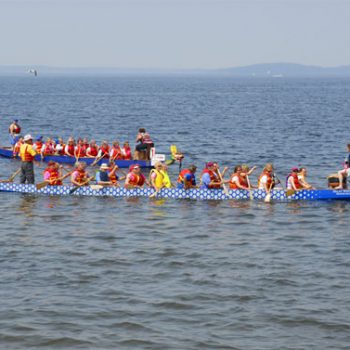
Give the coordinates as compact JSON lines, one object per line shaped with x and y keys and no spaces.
{"x":175,"y":193}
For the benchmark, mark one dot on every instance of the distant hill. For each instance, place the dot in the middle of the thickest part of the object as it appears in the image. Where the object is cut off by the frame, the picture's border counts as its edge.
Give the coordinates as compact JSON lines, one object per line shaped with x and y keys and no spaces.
{"x":264,"y":70}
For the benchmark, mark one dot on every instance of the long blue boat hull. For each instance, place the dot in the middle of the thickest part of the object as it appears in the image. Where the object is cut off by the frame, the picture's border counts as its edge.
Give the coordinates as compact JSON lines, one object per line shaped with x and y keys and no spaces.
{"x":7,"y":153}
{"x":175,"y":193}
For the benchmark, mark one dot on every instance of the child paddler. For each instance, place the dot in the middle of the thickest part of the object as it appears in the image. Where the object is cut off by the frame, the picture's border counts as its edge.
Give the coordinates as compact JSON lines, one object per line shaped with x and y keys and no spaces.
{"x":135,"y":178}
{"x":80,"y":175}
{"x":159,"y":177}
{"x":187,"y":178}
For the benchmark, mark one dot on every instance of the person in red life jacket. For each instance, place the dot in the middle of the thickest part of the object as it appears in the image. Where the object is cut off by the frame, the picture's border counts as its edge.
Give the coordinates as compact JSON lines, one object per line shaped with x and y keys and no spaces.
{"x":143,"y":143}
{"x":115,"y":152}
{"x":209,"y":178}
{"x":187,"y":178}
{"x":48,"y":148}
{"x":69,"y":149}
{"x":292,"y":181}
{"x":53,"y":174}
{"x":59,"y":147}
{"x":126,"y":151}
{"x":17,"y":146}
{"x":236,"y":181}
{"x":219,"y":175}
{"x":27,"y":153}
{"x":79,"y":175}
{"x":135,"y":178}
{"x":104,"y":150}
{"x":79,"y":151}
{"x":14,"y":131}
{"x":266,"y":180}
{"x":85,"y":145}
{"x":38,"y":145}
{"x":92,"y":150}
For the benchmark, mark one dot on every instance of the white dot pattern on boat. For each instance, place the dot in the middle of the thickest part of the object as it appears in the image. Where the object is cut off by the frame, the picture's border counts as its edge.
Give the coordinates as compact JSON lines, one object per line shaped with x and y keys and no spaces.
{"x":198,"y":194}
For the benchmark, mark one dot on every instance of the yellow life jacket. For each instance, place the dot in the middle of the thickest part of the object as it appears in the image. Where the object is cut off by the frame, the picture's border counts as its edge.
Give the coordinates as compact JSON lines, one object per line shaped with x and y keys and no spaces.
{"x":166,"y":179}
{"x":158,"y":181}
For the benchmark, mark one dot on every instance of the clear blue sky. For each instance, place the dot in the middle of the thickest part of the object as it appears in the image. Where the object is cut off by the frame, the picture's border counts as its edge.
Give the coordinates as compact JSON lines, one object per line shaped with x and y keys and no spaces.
{"x":174,"y":33}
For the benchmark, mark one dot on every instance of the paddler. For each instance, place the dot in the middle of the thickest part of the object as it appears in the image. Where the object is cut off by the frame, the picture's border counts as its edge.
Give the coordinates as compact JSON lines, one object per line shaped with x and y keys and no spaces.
{"x":126,"y":151}
{"x":27,"y":153}
{"x":69,"y":149}
{"x":92,"y":150}
{"x":292,"y":182}
{"x":209,"y":177}
{"x":14,"y":131}
{"x":102,"y":176}
{"x":79,"y":175}
{"x":236,"y":181}
{"x":246,"y":172}
{"x":112,"y":173}
{"x":53,"y":174}
{"x":266,"y":180}
{"x":135,"y":178}
{"x":104,"y":150}
{"x":302,"y":179}
{"x":17,"y":146}
{"x":115,"y":152}
{"x":187,"y":178}
{"x":79,"y":151}
{"x":159,"y":177}
{"x":38,"y":144}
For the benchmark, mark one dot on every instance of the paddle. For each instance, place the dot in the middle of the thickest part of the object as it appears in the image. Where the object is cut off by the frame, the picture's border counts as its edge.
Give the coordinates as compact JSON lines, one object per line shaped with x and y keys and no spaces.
{"x":11,"y":178}
{"x":223,"y":185}
{"x":268,"y":195}
{"x":83,"y":184}
{"x":97,"y":160}
{"x":250,"y":189}
{"x":47,"y":182}
{"x":290,"y":192}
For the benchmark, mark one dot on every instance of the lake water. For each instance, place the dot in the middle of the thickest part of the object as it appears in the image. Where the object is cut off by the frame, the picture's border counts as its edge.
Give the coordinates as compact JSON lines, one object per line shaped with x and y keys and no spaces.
{"x":102,"y":273}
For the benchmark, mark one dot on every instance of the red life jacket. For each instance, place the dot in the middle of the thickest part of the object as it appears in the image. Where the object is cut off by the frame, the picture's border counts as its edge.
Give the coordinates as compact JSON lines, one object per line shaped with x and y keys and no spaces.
{"x":233,"y":185}
{"x":182,"y":175}
{"x":93,"y":151}
{"x":17,"y":147}
{"x":296,"y":180}
{"x":70,"y":150}
{"x":49,"y":148}
{"x":126,"y":153}
{"x":213,"y":177}
{"x":113,"y":178}
{"x":80,"y":151}
{"x":54,"y":175}
{"x":105,"y":151}
{"x":116,"y":153}
{"x":137,"y":180}
{"x":39,"y":146}
{"x":61,"y":151}
{"x":16,"y":129}
{"x":81,"y":178}
{"x":146,"y":138}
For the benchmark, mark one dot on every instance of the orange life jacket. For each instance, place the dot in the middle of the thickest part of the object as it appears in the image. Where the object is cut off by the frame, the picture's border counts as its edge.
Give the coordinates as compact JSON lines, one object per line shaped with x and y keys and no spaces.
{"x":270,"y":181}
{"x":39,"y":146}
{"x":116,"y":153}
{"x":17,"y":147}
{"x":113,"y":178}
{"x":81,"y":178}
{"x":297,"y":184}
{"x":213,"y":177}
{"x":233,"y":185}
{"x":182,"y":175}
{"x":27,"y":157}
{"x":137,"y":180}
{"x":54,"y":175}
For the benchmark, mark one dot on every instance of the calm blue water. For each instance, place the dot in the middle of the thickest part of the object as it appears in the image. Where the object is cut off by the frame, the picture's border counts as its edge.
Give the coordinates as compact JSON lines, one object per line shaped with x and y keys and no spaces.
{"x":95,"y":273}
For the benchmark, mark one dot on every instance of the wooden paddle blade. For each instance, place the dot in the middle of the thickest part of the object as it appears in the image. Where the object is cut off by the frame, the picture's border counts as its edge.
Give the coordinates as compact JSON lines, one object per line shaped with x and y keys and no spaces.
{"x":290,"y":193}
{"x":268,"y":198}
{"x":41,"y":185}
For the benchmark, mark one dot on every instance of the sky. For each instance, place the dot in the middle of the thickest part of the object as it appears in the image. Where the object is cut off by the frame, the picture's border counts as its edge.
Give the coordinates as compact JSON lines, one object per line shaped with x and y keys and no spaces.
{"x":173,"y":34}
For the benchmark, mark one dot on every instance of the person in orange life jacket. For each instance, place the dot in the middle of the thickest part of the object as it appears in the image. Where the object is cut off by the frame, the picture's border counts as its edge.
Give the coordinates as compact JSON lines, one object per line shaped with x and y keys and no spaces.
{"x":135,"y":178}
{"x":236,"y":181}
{"x":53,"y":174}
{"x":266,"y":179}
{"x":246,"y":171}
{"x":38,"y":144}
{"x":187,"y":178}
{"x":126,"y":151}
{"x":79,"y":151}
{"x":79,"y":175}
{"x":17,"y":146}
{"x":345,"y":172}
{"x":27,"y":153}
{"x":292,"y":181}
{"x":209,"y":178}
{"x":115,"y":152}
{"x":14,"y":131}
{"x":113,"y":168}
{"x":104,"y":150}
{"x":69,"y":149}
{"x":92,"y":150}
{"x":302,"y":179}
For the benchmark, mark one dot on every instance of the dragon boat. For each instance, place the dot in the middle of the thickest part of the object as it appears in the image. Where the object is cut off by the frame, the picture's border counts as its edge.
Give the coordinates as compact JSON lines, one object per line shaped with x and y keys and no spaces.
{"x":175,"y":193}
{"x":7,"y":153}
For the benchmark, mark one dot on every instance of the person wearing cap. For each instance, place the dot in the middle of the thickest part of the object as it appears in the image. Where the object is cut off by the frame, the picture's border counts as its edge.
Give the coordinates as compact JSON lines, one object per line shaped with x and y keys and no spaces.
{"x":293,"y":180}
{"x":135,"y":178}
{"x":102,"y":177}
{"x":266,"y":179}
{"x":27,"y":153}
{"x":209,"y":177}
{"x":187,"y":178}
{"x":14,"y":131}
{"x":79,"y":175}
